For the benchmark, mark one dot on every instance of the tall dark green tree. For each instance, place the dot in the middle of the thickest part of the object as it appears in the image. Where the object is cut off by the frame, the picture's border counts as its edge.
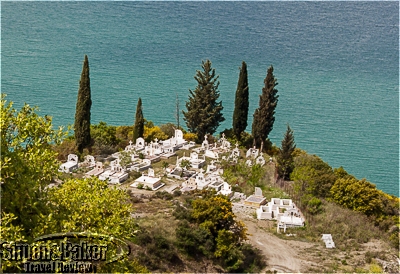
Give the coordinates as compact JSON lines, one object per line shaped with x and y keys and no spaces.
{"x":138,"y":128}
{"x":241,"y":111}
{"x":83,"y":105}
{"x":285,"y":156}
{"x":204,"y":113}
{"x":264,"y":115}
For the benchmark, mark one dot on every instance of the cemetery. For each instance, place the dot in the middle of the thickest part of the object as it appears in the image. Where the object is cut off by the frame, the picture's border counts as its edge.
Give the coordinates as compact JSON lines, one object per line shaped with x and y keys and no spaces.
{"x":201,"y":170}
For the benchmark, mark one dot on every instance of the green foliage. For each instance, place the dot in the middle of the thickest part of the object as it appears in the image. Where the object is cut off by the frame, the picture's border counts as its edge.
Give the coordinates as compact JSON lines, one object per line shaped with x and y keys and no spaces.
{"x":164,"y":195}
{"x":285,"y":156}
{"x":83,"y":105}
{"x":66,"y":147}
{"x":124,"y":133}
{"x":151,"y":133}
{"x":264,"y":115}
{"x":209,"y":228}
{"x":244,"y":176}
{"x":375,"y":268}
{"x":240,"y":113}
{"x":340,"y":173}
{"x":189,"y":136}
{"x":185,"y":164}
{"x":28,"y":162}
{"x":156,"y":250}
{"x":314,"y":205}
{"x":204,"y":113}
{"x":312,"y":176}
{"x":138,"y":129}
{"x":87,"y":205}
{"x":194,"y":240}
{"x":245,"y":139}
{"x":168,"y":129}
{"x":10,"y":233}
{"x":125,"y":158}
{"x":358,"y":195}
{"x":104,"y":138}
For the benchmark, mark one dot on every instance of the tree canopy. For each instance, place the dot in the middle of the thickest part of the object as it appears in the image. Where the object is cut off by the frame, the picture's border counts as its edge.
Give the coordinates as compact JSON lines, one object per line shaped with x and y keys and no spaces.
{"x":209,"y":227}
{"x":138,"y":129}
{"x":204,"y":112}
{"x":285,"y":156}
{"x":240,"y":113}
{"x":28,"y":162}
{"x":358,"y":195}
{"x":311,"y":175}
{"x":83,"y":105}
{"x":264,"y":115}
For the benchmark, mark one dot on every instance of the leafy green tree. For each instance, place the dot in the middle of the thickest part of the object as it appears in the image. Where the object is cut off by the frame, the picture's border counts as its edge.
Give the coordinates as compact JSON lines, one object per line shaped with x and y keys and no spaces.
{"x":138,"y":129}
{"x":358,"y":195}
{"x":88,"y":205}
{"x":340,"y":173}
{"x":311,"y":175}
{"x":104,"y":137}
{"x":285,"y":156}
{"x":168,"y":129}
{"x":264,"y":115}
{"x":10,"y":233}
{"x":239,"y":121}
{"x":83,"y":105}
{"x":28,"y":162}
{"x":204,"y":113}
{"x":91,"y":206}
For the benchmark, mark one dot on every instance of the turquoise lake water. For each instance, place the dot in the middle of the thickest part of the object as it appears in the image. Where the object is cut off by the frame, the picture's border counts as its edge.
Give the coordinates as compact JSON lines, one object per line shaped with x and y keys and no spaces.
{"x":337,"y":65}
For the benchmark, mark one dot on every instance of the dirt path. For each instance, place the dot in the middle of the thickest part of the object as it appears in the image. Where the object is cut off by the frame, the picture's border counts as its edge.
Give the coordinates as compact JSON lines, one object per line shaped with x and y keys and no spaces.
{"x":280,"y":255}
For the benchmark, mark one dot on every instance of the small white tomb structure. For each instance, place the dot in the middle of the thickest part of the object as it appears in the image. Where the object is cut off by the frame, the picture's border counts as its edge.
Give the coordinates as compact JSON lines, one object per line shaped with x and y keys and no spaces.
{"x":260,"y":160}
{"x":252,"y":152}
{"x":70,"y":165}
{"x":282,"y":210}
{"x":327,"y":238}
{"x":141,"y":166}
{"x":96,"y":171}
{"x":226,"y":189}
{"x":89,"y":161}
{"x":149,"y":181}
{"x":119,"y":176}
{"x":257,"y":199}
{"x":175,"y":142}
{"x":139,"y":145}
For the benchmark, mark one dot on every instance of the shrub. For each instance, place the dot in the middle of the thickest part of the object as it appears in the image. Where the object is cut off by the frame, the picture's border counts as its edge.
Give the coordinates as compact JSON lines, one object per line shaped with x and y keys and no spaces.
{"x":177,"y":193}
{"x":168,"y":129}
{"x":190,"y":136}
{"x":163,"y":195}
{"x":140,"y":186}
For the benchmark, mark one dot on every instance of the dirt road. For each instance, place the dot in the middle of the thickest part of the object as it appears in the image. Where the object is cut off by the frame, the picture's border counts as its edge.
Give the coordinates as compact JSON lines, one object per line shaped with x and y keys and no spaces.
{"x":280,"y":255}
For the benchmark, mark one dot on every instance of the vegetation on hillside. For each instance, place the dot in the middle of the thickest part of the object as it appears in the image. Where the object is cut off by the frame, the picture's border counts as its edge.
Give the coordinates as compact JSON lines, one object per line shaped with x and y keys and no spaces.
{"x":285,"y":155}
{"x":240,"y":113}
{"x":138,"y":128}
{"x":264,"y":115}
{"x":204,"y":112}
{"x":83,"y":105}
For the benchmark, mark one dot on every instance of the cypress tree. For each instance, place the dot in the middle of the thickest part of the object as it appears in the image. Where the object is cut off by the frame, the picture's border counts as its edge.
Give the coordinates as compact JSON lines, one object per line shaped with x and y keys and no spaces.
{"x":264,"y":115}
{"x":138,"y":128}
{"x":204,"y":113}
{"x":285,"y":156}
{"x":239,"y":121}
{"x":83,"y":105}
